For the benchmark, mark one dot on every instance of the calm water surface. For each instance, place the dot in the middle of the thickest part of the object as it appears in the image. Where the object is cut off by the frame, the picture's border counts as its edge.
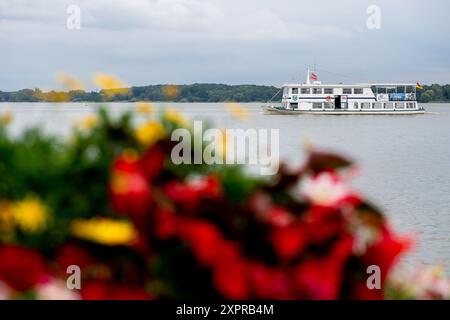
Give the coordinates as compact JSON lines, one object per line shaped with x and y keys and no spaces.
{"x":405,"y":159}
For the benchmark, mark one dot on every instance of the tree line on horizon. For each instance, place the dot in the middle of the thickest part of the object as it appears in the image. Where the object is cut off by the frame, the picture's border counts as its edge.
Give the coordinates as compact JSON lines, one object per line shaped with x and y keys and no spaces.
{"x":187,"y":93}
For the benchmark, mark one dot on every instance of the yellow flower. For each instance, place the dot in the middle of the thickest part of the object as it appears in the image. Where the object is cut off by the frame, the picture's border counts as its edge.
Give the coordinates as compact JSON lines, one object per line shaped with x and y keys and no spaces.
{"x":176,"y":117}
{"x":69,"y":82}
{"x":86,"y":123}
{"x":237,"y":111}
{"x":30,"y":215}
{"x":110,"y":84}
{"x":106,"y":81}
{"x":105,"y":231}
{"x":150,"y":132}
{"x":171,"y":91}
{"x":89,"y":121}
{"x":144,"y":107}
{"x":6,"y":118}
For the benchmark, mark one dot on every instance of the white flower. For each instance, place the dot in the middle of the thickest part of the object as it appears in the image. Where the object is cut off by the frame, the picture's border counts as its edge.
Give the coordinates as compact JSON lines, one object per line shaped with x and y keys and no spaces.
{"x":324,"y":189}
{"x":364,"y":237}
{"x":55,"y":290}
{"x":431,"y":282}
{"x":423,"y":282}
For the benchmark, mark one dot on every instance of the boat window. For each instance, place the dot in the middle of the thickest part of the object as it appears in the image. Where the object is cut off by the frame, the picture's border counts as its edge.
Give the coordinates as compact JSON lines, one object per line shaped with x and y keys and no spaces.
{"x":317,"y":90}
{"x":389,"y":105}
{"x":409,"y":89}
{"x":374,"y":89}
{"x":317,"y":105}
{"x":294,"y":90}
{"x":285,"y":91}
{"x":355,"y":105}
{"x":347,"y":91}
{"x":365,"y":105}
{"x":410,"y":105}
{"x":358,"y":91}
{"x":343,"y":105}
{"x":328,"y":90}
{"x":392,"y":90}
{"x":399,"y":105}
{"x":328,"y":105}
{"x":382,"y":90}
{"x":378,"y":105}
{"x":306,"y":90}
{"x":400,"y":89}
{"x":294,"y":105}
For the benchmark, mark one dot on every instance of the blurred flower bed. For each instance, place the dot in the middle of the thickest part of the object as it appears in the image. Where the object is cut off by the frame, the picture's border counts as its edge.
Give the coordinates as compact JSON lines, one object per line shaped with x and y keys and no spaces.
{"x":139,"y":227}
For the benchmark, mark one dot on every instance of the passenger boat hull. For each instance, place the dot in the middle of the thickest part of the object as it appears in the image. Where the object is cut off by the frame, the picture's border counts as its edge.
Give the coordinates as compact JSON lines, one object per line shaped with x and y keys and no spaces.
{"x":275,"y":110}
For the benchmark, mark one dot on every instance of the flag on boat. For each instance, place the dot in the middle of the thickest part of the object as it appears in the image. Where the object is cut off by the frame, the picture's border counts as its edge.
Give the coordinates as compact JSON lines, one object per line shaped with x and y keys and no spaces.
{"x":313,"y":76}
{"x":419,"y":86}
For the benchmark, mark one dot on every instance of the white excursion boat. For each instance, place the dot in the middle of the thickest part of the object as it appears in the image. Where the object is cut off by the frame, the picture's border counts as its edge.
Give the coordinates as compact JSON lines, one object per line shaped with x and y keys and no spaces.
{"x":313,"y":97}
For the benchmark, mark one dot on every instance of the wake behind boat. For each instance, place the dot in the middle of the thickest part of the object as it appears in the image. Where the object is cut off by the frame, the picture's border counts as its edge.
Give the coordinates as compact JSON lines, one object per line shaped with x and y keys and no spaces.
{"x":313,"y":97}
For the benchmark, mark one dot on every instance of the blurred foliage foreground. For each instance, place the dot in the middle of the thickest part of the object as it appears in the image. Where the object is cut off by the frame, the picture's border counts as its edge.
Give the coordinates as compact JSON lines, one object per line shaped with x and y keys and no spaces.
{"x":111,"y":202}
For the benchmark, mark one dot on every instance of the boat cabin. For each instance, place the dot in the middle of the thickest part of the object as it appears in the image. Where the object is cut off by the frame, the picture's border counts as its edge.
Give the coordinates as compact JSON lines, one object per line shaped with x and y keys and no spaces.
{"x":317,"y":96}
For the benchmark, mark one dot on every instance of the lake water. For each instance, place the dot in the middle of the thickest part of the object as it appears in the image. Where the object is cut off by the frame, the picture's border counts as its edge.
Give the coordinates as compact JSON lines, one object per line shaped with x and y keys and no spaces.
{"x":405,"y":160}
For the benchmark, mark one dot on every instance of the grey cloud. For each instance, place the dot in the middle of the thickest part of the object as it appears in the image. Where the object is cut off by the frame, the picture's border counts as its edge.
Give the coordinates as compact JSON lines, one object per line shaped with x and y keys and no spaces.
{"x":229,"y":41}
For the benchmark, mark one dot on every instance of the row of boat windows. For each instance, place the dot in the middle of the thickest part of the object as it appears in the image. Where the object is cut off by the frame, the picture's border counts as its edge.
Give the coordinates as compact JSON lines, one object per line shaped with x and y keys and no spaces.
{"x":397,"y":89}
{"x":363,"y":105}
{"x":386,"y":105}
{"x":326,"y":90}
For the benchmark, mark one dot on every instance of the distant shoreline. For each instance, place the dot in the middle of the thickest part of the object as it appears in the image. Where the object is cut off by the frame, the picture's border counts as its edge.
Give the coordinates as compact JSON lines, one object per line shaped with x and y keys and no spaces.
{"x":191,"y":93}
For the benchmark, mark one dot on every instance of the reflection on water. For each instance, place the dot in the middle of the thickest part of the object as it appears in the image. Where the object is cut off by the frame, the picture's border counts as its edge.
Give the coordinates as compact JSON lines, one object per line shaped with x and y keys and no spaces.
{"x":405,"y":159}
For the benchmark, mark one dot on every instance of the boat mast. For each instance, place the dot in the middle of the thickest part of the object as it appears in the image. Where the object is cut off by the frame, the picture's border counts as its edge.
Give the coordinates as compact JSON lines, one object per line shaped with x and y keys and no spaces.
{"x":307,"y":76}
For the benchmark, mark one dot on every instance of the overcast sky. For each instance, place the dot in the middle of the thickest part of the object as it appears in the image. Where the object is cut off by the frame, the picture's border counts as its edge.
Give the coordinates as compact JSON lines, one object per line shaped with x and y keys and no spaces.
{"x":223,"y":41}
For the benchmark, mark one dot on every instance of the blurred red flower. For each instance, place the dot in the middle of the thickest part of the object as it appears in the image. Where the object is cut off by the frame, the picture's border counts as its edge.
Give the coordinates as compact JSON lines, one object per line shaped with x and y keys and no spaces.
{"x":324,"y":223}
{"x":204,"y":239}
{"x":182,"y":194}
{"x":278,"y":216}
{"x":188,"y":195}
{"x":231,"y":279}
{"x":270,"y":283}
{"x":129,"y":188}
{"x":73,"y":254}
{"x":289,"y":241}
{"x":209,"y":187}
{"x":152,"y":162}
{"x":321,"y":277}
{"x":21,"y":268}
{"x":165,"y":224}
{"x":385,"y":251}
{"x":99,"y":290}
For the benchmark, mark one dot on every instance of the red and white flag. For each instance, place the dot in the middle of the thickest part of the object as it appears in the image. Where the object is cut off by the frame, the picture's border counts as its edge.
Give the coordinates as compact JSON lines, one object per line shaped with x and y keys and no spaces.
{"x":313,"y":76}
